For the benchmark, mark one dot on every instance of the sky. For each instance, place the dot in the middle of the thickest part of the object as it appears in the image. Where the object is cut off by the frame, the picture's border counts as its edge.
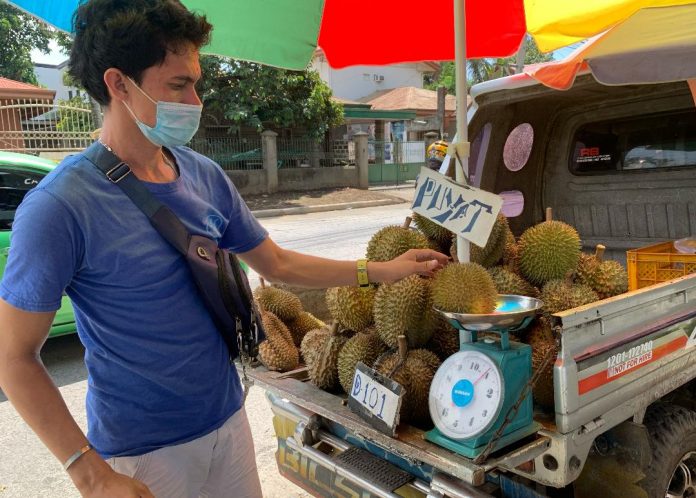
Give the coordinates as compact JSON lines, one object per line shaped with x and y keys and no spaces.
{"x":55,"y":57}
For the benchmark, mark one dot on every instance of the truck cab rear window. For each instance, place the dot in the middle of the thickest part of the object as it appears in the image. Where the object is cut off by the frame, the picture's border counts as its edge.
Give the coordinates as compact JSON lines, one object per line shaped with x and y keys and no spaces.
{"x":659,"y":141}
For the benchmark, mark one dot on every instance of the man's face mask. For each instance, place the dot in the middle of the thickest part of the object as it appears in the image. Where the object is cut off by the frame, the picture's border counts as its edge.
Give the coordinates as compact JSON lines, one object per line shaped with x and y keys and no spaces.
{"x":175,"y":124}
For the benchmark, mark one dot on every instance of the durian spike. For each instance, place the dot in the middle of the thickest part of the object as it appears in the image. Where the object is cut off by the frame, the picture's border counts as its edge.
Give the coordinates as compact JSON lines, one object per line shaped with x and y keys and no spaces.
{"x":263,"y":282}
{"x":549,"y":214}
{"x":599,"y":251}
{"x":407,"y":222}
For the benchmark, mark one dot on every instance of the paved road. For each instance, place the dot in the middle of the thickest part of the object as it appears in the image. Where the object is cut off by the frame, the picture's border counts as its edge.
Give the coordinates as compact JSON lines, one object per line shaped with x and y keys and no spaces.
{"x":28,"y":470}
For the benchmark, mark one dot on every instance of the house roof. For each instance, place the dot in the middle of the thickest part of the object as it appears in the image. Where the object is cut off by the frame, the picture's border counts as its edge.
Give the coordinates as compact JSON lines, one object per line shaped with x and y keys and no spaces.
{"x":8,"y":84}
{"x":11,"y":89}
{"x":347,"y":102}
{"x":408,"y":98}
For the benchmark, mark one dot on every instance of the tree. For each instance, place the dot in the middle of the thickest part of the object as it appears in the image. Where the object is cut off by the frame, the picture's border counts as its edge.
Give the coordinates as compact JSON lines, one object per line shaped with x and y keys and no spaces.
{"x":246,"y":93}
{"x":19,"y":35}
{"x":479,"y":70}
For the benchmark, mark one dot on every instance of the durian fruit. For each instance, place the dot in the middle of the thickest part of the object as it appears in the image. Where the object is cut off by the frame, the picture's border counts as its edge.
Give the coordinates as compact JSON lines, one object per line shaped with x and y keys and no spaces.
{"x":402,"y":308}
{"x":543,"y":389}
{"x":360,"y":347}
{"x":540,"y":331}
{"x":311,"y":342}
{"x":415,"y":374}
{"x":444,"y":343}
{"x":393,"y":241}
{"x":608,"y":278}
{"x":281,"y":303}
{"x":507,"y":282}
{"x":323,"y":368}
{"x":548,"y":251}
{"x":436,"y":233}
{"x":492,"y":253}
{"x":277,"y":352}
{"x":351,"y":306}
{"x":511,"y":253}
{"x":588,"y":264}
{"x":464,"y":288}
{"x":303,"y":324}
{"x":561,"y":295}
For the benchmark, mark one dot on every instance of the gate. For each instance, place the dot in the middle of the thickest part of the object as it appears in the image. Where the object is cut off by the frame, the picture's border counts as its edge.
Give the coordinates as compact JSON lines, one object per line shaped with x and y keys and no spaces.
{"x":394,"y":163}
{"x":39,"y":127}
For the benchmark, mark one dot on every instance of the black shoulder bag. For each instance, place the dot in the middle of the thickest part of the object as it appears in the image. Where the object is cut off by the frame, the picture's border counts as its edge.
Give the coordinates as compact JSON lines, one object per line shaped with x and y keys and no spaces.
{"x":222,"y":283}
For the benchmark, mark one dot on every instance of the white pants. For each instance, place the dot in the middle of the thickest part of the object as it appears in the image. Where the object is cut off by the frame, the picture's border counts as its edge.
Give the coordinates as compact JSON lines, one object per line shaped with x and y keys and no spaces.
{"x":221,"y":464}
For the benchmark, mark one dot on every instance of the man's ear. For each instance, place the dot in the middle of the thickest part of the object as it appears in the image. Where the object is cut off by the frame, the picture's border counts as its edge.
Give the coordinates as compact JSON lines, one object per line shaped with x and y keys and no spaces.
{"x":115,"y":82}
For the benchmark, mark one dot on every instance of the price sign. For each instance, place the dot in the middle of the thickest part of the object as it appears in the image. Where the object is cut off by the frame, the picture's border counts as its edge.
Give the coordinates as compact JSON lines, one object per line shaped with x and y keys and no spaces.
{"x":376,"y":399}
{"x":467,"y":211}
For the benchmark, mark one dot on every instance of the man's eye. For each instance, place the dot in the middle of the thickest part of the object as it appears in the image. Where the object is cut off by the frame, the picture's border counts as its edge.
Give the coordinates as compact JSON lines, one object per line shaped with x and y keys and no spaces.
{"x":177,"y":87}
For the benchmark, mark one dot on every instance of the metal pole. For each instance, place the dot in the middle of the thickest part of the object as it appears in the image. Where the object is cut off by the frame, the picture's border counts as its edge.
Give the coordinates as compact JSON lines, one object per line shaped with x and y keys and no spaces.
{"x":462,"y":133}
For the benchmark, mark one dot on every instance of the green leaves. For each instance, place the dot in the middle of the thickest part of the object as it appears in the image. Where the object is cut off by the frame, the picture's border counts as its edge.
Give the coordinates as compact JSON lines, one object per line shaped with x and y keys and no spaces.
{"x":19,"y":34}
{"x":250,"y":94}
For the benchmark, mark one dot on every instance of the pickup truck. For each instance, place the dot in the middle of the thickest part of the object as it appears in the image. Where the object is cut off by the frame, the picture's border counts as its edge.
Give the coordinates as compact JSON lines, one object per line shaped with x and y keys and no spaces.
{"x":618,"y":164}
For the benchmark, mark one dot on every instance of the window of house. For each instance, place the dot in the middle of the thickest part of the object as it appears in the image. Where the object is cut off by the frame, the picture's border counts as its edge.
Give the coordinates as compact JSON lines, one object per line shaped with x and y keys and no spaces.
{"x":659,"y":141}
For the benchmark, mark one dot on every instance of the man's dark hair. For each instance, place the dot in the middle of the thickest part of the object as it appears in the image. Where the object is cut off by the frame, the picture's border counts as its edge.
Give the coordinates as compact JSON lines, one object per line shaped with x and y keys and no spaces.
{"x":130,"y":35}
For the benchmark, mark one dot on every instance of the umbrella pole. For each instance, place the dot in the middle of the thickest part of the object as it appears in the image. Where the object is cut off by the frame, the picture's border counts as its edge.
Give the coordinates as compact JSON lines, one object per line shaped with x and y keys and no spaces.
{"x":462,"y":141}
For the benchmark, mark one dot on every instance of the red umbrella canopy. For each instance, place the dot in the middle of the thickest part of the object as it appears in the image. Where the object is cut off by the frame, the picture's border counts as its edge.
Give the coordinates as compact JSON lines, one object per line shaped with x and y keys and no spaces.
{"x":410,"y":30}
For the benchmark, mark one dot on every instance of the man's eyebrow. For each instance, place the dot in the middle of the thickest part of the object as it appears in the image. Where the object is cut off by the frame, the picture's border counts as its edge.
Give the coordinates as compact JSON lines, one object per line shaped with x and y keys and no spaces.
{"x":185,"y":79}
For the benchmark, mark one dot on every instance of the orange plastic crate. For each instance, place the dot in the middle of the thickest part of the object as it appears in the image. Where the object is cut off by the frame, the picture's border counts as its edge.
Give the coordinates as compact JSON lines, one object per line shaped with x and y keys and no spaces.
{"x":657,"y":263}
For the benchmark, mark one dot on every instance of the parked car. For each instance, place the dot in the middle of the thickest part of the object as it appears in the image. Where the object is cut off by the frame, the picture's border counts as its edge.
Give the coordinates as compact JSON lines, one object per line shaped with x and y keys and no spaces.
{"x":19,"y":173}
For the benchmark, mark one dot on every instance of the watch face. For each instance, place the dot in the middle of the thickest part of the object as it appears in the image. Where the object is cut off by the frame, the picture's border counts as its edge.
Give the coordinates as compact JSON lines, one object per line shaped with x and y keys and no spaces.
{"x":466,"y":395}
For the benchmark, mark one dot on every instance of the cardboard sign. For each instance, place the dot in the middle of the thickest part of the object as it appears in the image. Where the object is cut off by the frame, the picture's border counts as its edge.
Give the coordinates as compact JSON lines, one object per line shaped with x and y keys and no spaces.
{"x":467,"y":211}
{"x":376,"y":398}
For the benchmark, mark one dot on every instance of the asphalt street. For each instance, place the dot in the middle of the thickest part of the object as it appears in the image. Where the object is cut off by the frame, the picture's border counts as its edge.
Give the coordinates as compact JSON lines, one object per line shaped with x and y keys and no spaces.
{"x":28,"y":470}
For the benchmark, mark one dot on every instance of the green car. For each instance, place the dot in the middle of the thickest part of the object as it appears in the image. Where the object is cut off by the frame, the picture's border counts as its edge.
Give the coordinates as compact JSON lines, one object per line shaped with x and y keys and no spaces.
{"x":19,"y":173}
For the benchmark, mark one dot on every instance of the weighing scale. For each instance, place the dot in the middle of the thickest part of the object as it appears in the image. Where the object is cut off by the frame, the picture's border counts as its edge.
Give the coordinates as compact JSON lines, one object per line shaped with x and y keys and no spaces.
{"x":473,"y":389}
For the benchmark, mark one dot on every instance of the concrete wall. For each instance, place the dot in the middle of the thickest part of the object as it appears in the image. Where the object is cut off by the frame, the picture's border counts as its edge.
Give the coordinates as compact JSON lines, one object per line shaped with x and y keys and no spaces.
{"x":254,"y":182}
{"x":317,"y":178}
{"x":249,"y":182}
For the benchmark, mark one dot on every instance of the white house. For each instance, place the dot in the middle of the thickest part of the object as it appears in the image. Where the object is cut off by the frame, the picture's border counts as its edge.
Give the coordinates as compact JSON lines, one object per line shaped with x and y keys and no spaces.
{"x":356,"y":82}
{"x":51,"y":76}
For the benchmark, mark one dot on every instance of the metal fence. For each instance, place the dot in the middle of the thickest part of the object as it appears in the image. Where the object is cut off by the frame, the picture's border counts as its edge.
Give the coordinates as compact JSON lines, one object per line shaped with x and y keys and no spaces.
{"x":241,"y":154}
{"x":40,"y":125}
{"x":394,"y":162}
{"x":311,"y":153}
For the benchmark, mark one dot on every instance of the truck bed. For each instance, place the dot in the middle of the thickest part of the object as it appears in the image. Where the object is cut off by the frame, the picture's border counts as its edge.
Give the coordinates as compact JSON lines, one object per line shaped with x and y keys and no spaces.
{"x":409,"y":442}
{"x":616,"y":357}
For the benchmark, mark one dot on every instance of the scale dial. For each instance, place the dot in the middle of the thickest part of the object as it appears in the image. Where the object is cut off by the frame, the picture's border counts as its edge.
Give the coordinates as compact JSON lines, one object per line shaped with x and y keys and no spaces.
{"x":466,"y":395}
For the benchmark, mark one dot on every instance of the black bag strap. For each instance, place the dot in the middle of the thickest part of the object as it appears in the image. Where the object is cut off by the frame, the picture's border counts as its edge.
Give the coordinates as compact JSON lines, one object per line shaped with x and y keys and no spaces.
{"x":173,"y":230}
{"x":161,"y":217}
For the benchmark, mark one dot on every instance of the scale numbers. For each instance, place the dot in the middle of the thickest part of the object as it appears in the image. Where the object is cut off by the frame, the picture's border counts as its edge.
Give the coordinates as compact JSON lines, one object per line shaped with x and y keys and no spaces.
{"x":466,"y":395}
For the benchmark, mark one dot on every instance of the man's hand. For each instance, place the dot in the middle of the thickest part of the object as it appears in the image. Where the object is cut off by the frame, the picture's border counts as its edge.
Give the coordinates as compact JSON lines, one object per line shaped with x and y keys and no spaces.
{"x":421,"y":261}
{"x":118,"y":486}
{"x":94,"y":478}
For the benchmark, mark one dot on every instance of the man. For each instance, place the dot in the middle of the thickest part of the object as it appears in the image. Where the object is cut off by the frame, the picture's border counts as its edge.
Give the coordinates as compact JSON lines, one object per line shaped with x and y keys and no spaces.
{"x":164,"y":405}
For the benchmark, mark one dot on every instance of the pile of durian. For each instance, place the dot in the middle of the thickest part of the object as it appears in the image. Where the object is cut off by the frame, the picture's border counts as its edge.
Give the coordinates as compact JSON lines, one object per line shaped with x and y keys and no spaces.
{"x":545,"y":262}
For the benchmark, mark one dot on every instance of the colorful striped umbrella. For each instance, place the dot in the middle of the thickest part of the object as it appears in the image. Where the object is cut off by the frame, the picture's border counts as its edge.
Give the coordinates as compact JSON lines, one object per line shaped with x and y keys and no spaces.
{"x":654,"y":45}
{"x":285,"y":33}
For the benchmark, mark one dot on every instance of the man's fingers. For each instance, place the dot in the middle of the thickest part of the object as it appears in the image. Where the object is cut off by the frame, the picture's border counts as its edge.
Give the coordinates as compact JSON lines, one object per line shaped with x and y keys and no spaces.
{"x":427,"y":267}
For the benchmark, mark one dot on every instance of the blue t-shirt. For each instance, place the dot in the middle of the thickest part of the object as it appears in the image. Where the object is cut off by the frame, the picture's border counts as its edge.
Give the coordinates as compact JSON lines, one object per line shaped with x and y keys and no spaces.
{"x":158,"y":369}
